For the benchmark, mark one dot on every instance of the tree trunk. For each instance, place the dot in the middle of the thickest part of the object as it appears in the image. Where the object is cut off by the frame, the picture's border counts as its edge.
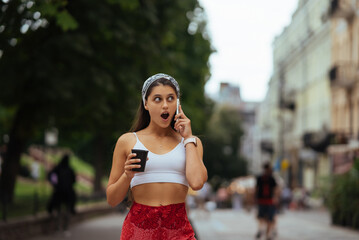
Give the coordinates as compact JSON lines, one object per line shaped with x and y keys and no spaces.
{"x":18,"y":137}
{"x":11,"y":168}
{"x":99,"y":164}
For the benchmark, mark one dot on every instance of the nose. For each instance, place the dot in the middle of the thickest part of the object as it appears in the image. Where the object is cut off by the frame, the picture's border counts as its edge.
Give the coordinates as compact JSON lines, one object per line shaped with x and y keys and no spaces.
{"x":165,"y":104}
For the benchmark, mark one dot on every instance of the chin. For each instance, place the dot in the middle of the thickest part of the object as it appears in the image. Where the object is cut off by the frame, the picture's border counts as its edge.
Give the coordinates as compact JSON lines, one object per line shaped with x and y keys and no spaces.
{"x":164,"y":125}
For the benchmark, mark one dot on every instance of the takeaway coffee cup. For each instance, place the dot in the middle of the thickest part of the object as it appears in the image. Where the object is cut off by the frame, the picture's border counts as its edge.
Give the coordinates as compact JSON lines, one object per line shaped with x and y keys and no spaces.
{"x":141,"y":154}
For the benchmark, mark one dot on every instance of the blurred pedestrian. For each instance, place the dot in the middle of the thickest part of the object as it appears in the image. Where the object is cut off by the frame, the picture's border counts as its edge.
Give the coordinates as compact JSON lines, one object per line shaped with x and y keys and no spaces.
{"x":222,"y":197}
{"x":266,"y":198}
{"x":35,"y":170}
{"x":203,"y":195}
{"x":286,"y":197}
{"x":62,"y":178}
{"x":299,"y":198}
{"x":277,"y":201}
{"x":174,"y":163}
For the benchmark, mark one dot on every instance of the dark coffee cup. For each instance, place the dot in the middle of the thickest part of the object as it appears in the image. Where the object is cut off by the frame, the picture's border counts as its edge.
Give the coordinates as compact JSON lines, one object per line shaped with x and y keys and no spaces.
{"x":140,"y":154}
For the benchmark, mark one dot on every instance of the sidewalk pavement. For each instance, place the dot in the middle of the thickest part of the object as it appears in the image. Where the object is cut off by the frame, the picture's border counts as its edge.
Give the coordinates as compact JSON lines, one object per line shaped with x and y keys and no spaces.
{"x":291,"y":225}
{"x":221,"y":224}
{"x":43,"y":224}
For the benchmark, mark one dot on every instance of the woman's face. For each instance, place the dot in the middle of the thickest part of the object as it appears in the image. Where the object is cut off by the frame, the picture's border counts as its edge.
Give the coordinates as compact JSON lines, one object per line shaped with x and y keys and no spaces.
{"x":161,"y":105}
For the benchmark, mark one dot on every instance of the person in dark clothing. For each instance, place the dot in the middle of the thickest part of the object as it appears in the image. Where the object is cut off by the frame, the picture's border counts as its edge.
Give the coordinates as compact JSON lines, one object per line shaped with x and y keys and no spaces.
{"x":62,"y":178}
{"x":266,"y":198}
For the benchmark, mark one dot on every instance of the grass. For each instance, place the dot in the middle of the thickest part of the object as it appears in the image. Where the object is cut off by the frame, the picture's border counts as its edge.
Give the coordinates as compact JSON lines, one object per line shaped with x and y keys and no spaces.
{"x":78,"y":165}
{"x":32,"y":196}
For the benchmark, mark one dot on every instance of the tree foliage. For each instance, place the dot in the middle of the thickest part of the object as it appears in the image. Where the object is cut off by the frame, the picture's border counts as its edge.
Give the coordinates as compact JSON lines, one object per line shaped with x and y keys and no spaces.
{"x":79,"y":66}
{"x":222,"y":144}
{"x":343,"y":198}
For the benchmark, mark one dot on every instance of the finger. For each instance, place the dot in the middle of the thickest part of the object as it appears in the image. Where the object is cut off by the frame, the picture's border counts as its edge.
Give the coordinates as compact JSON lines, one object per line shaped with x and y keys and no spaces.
{"x":181,"y":122}
{"x":135,"y":166}
{"x":181,"y":115}
{"x":133,"y":160}
{"x":177,"y":125}
{"x":131,"y":166}
{"x":178,"y":116}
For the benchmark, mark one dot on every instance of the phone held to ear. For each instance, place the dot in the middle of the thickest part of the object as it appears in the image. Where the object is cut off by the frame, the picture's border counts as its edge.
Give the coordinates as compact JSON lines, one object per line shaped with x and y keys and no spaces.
{"x":178,"y":103}
{"x":177,"y":109}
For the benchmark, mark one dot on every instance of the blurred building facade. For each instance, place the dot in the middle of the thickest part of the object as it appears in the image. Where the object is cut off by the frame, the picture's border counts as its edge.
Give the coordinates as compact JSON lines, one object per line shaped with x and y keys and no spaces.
{"x":307,"y":111}
{"x":344,"y":82}
{"x":230,"y":95}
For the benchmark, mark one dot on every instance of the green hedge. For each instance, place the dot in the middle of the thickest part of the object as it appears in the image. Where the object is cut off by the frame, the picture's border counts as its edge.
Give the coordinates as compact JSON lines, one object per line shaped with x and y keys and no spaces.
{"x":344,"y":198}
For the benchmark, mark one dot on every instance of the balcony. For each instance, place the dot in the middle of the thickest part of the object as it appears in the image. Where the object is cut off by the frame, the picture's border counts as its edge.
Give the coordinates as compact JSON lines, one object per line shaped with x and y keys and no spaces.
{"x":287,"y":104}
{"x":287,"y":101}
{"x":344,"y":75}
{"x":317,"y":141}
{"x":341,"y":9}
{"x":267,"y":146}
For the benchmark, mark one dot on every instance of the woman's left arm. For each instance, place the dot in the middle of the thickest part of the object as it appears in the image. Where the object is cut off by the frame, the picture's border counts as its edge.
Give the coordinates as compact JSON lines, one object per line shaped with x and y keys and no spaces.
{"x":196,"y":172}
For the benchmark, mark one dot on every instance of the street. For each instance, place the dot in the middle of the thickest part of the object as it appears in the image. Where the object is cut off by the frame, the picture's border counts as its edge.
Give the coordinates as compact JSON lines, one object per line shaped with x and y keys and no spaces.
{"x":224,"y":224}
{"x":306,"y":225}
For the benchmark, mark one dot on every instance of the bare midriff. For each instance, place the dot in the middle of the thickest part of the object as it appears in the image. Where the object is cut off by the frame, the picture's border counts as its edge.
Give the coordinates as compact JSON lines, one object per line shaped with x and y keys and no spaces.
{"x":159,"y":194}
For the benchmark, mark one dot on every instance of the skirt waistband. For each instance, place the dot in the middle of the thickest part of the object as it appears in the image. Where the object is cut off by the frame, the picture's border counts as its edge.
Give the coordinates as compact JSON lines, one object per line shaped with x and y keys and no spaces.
{"x":162,"y":206}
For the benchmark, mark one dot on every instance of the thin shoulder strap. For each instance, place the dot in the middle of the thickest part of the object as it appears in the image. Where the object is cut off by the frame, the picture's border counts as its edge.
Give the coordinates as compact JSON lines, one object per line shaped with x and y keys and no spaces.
{"x":135,"y":135}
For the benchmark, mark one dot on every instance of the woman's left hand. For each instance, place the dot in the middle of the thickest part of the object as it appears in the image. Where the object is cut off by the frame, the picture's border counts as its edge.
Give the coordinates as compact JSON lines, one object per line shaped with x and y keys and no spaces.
{"x":183,"y":124}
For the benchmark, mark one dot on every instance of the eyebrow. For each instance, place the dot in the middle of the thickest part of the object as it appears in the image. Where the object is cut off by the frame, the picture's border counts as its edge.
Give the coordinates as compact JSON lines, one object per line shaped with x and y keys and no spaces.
{"x":159,"y":95}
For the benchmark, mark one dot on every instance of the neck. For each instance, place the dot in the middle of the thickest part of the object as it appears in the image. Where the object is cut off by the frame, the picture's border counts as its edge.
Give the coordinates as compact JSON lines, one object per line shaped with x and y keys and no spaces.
{"x":159,"y":131}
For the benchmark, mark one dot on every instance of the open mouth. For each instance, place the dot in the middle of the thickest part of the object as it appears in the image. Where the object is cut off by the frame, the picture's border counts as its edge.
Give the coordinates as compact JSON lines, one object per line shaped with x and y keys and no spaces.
{"x":165,"y":115}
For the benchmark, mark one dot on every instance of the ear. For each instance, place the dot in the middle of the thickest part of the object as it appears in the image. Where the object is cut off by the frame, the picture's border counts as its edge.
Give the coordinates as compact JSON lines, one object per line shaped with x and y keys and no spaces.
{"x":146,"y":107}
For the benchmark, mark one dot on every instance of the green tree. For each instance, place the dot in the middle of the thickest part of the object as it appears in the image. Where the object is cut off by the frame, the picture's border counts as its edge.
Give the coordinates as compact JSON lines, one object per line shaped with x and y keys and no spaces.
{"x":343,"y":197}
{"x":222,"y":144}
{"x":79,"y":66}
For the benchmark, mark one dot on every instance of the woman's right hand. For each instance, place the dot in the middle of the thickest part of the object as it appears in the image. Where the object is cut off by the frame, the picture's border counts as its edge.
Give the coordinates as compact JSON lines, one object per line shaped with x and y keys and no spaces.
{"x":129,"y":165}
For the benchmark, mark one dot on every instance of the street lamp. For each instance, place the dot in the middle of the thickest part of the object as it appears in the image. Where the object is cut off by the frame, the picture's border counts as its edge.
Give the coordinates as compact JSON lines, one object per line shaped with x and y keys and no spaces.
{"x":51,"y":140}
{"x":51,"y":137}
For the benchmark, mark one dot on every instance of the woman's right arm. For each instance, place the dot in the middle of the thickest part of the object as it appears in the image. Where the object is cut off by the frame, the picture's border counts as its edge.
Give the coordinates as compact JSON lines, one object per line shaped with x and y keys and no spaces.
{"x":121,"y":171}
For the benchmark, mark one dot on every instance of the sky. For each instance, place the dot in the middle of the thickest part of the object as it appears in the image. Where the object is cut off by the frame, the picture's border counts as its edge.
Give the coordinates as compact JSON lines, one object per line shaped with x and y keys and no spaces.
{"x":242,"y":33}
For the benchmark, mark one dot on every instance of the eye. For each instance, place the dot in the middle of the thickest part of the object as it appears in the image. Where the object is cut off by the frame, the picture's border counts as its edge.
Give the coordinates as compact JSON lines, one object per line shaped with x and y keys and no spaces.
{"x":171,"y":98}
{"x":157,"y":99}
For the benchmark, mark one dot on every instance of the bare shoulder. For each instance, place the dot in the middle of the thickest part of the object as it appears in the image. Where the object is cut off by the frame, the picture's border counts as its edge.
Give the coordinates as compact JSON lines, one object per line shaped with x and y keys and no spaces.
{"x":126,"y":141}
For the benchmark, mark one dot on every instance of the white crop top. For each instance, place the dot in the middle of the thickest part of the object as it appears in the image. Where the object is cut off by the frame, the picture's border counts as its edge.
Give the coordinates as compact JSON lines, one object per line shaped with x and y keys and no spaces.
{"x":168,"y":167}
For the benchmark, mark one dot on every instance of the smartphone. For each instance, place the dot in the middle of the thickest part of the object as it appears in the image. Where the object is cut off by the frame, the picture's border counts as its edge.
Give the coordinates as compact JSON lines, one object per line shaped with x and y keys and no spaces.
{"x":177,"y":110}
{"x":178,"y":103}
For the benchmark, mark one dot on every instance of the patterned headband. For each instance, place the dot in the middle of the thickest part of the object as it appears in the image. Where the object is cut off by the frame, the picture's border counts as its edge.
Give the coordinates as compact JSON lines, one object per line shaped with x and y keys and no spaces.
{"x":154,"y":78}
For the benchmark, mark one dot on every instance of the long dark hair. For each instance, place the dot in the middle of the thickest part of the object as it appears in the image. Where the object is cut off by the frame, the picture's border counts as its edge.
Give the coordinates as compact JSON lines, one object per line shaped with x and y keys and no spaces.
{"x":143,"y":118}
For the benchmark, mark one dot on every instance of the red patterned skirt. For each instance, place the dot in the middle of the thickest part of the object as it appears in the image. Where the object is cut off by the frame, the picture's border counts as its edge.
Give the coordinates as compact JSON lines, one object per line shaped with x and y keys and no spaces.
{"x":157,"y":223}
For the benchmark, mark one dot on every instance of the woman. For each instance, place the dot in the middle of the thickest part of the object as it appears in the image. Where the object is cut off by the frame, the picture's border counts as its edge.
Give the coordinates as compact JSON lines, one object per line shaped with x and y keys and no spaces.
{"x":174,"y":164}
